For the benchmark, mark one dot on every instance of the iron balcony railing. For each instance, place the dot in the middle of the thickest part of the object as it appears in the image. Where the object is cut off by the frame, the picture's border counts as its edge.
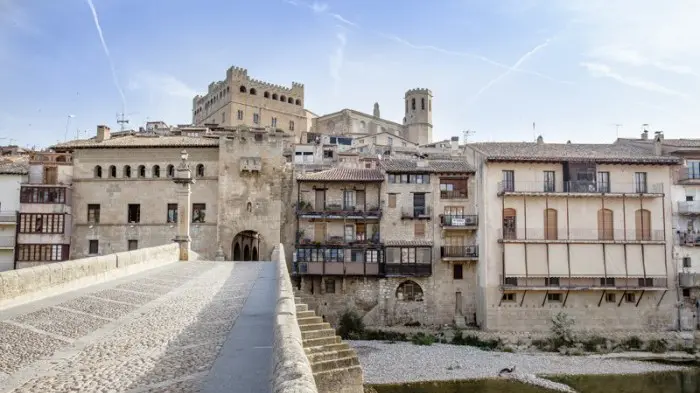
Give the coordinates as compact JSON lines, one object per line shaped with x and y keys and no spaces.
{"x":8,"y":216}
{"x":689,"y":174}
{"x":581,"y":234}
{"x":459,"y":251}
{"x":580,"y":187}
{"x":416,"y":212}
{"x":685,"y":238}
{"x":456,"y":194}
{"x":459,"y":220}
{"x":689,"y":207}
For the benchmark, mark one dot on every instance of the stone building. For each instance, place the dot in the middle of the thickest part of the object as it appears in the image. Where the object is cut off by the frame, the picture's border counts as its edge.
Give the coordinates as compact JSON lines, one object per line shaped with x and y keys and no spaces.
{"x":124,"y":196}
{"x":13,"y":173}
{"x":241,"y":100}
{"x":582,"y":229}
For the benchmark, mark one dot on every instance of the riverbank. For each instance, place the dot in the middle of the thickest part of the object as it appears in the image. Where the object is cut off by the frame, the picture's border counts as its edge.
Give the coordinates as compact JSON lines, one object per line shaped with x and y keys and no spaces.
{"x":403,"y":362}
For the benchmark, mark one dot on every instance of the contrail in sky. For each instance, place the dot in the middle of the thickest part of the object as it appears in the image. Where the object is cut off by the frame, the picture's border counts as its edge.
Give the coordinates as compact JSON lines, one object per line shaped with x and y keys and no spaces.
{"x":109,"y":57}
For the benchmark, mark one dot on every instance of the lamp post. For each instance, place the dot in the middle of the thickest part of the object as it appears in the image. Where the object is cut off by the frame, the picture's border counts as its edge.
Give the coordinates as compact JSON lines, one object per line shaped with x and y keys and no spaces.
{"x":183,"y":179}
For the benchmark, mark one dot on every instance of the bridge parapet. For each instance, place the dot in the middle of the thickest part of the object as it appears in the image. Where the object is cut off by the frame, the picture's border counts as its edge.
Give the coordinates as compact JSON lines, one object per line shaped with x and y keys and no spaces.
{"x":29,"y":284}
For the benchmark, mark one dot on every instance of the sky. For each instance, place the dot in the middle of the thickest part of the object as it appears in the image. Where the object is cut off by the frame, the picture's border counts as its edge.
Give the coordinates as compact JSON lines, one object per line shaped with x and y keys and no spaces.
{"x":508,"y":70}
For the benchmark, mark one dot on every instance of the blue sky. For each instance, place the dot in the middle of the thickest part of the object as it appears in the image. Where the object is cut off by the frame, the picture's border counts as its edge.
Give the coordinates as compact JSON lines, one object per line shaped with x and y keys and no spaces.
{"x":575,"y":68}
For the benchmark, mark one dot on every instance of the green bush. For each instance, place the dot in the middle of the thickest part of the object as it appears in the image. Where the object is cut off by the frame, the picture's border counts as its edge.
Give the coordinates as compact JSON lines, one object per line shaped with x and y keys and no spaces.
{"x":421,"y":338}
{"x":475,"y":341}
{"x":633,"y":343}
{"x":381,"y":335}
{"x":562,"y":330}
{"x":657,"y":346}
{"x":591,"y":344}
{"x":350,"y":326}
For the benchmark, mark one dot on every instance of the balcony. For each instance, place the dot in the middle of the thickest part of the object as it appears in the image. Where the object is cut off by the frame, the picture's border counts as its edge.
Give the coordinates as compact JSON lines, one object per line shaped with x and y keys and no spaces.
{"x":407,"y":269}
{"x":7,"y":242}
{"x":689,"y":207}
{"x":584,"y":284}
{"x":459,"y":221}
{"x":578,"y":187}
{"x":45,"y":195}
{"x":456,"y":194}
{"x":688,"y":239}
{"x":337,"y":211}
{"x":338,"y":261}
{"x":689,"y":280}
{"x":8,"y":217}
{"x":416,"y":213}
{"x":594,"y":235}
{"x":689,"y":175}
{"x":333,"y":268}
{"x":359,"y":240}
{"x":459,"y":252}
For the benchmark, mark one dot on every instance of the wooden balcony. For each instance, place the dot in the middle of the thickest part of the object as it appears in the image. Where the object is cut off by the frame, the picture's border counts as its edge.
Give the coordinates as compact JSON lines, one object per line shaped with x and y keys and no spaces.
{"x":459,"y":252}
{"x":459,"y":221}
{"x":339,"y":212}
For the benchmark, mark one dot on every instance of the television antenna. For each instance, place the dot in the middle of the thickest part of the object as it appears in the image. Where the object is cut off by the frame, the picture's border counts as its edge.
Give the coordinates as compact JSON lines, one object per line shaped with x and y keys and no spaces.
{"x":617,"y":130}
{"x":466,"y":133}
{"x":122,"y":120}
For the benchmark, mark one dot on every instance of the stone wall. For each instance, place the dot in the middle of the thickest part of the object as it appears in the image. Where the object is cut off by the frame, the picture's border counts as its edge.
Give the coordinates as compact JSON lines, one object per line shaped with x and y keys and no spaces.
{"x":291,"y":369}
{"x":38,"y":282}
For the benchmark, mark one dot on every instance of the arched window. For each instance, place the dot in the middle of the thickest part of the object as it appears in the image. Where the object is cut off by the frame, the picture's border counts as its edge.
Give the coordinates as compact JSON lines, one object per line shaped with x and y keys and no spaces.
{"x":243,"y":89}
{"x":156,"y":171}
{"x":409,"y":291}
{"x":283,"y":98}
{"x":290,"y":100}
{"x":98,"y":172}
{"x":171,"y":171}
{"x":61,"y":159}
{"x":413,"y":104}
{"x":112,"y":171}
{"x":298,"y":102}
{"x":249,"y":207}
{"x":509,"y":227}
{"x":274,"y":96}
{"x":422,"y":103}
{"x":605,"y":224}
{"x":266,"y":94}
{"x":200,"y":170}
{"x":142,"y":171}
{"x":127,"y":171}
{"x":551,"y":231}
{"x":253,"y":91}
{"x":642,"y":223}
{"x":291,"y":125}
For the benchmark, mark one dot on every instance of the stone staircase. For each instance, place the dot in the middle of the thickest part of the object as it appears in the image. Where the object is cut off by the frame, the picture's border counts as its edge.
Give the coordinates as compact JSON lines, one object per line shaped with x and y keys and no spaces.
{"x":335,"y":365}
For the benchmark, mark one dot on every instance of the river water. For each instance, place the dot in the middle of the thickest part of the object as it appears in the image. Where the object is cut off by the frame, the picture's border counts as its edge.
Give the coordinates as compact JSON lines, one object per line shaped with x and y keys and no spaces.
{"x":664,"y":382}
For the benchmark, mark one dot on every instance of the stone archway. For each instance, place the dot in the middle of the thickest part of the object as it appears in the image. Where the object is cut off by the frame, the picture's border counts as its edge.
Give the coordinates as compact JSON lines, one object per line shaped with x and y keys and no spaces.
{"x":246,"y":246}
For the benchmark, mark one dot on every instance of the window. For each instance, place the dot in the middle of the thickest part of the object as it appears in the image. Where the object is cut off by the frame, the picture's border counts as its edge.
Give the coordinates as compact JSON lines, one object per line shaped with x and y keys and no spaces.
{"x":258,"y":137}
{"x":551,"y":281}
{"x":508,"y":297}
{"x":256,"y":118}
{"x":242,"y":89}
{"x":133,"y":245}
{"x":93,"y":247}
{"x":291,"y":125}
{"x":253,"y":91}
{"x":453,"y":188}
{"x":693,"y":169}
{"x":508,"y":184}
{"x":172,"y":213}
{"x":390,"y":141}
{"x":98,"y":172}
{"x":605,"y":224}
{"x":223,"y":117}
{"x":512,"y":281}
{"x":127,"y":171}
{"x":509,"y":228}
{"x":686,"y":261}
{"x":134,"y":213}
{"x":642,"y":222}
{"x":93,"y":215}
{"x":112,"y":171}
{"x":392,"y":200}
{"x":239,"y":115}
{"x":349,"y":233}
{"x":42,"y":252}
{"x":457,"y":272}
{"x":419,"y":208}
{"x":199,"y":211}
{"x":328,"y":154}
{"x":171,"y":171}
{"x":200,"y":170}
{"x":610,"y":298}
{"x":409,"y":291}
{"x":156,"y":171}
{"x":629,"y":297}
{"x":686,"y":292}
{"x":646,"y":282}
{"x":640,"y":182}
{"x":603,"y":181}
{"x":41,"y":223}
{"x":142,"y":171}
{"x":554,"y":297}
{"x":422,"y":103}
{"x":349,"y":200}
{"x":419,"y":229}
{"x":607,"y":281}
{"x":409,"y":178}
{"x":413,"y":104}
{"x":549,"y":183}
{"x":42,"y":195}
{"x":274,"y":122}
{"x":330,"y":285}
{"x":551,"y":231}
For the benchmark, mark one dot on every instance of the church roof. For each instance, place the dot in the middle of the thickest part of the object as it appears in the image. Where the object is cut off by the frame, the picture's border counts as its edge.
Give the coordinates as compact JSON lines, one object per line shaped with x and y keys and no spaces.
{"x":344,"y":174}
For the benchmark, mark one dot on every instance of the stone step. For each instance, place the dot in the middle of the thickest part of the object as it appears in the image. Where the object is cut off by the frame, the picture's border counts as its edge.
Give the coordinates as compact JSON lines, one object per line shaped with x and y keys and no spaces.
{"x":320,"y":341}
{"x":317,"y":333}
{"x":341,"y":346}
{"x":315,"y":326}
{"x":331,"y":355}
{"x":302,"y":307}
{"x":305,"y":314}
{"x":335,"y":364}
{"x":329,"y":377}
{"x":309,"y":321}
{"x":297,"y":300}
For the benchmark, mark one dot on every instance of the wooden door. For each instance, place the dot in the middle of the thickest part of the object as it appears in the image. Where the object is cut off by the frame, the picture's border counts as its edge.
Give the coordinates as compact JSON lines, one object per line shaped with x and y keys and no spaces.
{"x":642,"y":221}
{"x":360,"y":200}
{"x":458,"y":303}
{"x":550,"y":224}
{"x":320,"y":200}
{"x":320,"y":232}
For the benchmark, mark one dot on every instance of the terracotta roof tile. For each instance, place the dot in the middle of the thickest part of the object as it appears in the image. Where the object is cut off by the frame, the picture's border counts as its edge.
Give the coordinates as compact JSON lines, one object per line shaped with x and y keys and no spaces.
{"x":603,"y":153}
{"x":128,"y":141}
{"x":14,"y":167}
{"x":344,"y":174}
{"x":394,"y":165}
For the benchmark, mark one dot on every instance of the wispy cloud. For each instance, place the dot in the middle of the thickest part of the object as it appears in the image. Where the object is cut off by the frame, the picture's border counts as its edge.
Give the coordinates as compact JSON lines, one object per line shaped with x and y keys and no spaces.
{"x":510,"y":70}
{"x":158,"y":83}
{"x":633,"y":58}
{"x":604,"y":71}
{"x":321,"y":8}
{"x":109,"y":57}
{"x":341,"y":19}
{"x":337,"y":59}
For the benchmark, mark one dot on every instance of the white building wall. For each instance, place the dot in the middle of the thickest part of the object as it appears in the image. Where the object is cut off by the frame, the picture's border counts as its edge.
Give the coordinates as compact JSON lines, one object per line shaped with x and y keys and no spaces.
{"x":9,"y":205}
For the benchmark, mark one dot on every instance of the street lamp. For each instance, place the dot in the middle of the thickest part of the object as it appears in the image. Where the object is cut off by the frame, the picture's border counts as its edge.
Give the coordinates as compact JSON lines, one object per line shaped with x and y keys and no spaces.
{"x":65,"y":135}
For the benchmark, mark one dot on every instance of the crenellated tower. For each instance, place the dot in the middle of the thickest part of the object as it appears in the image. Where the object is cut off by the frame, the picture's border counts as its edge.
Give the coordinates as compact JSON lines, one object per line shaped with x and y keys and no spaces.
{"x":419,"y":116}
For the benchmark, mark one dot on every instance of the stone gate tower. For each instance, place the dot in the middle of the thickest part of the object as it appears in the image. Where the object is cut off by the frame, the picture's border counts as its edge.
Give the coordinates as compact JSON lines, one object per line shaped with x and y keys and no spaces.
{"x":419,"y":116}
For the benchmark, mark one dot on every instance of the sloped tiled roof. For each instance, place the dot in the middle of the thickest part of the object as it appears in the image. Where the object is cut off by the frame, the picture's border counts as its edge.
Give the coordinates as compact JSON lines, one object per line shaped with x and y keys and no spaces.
{"x":539,"y":152}
{"x":393,"y":165}
{"x":130,"y":141}
{"x":344,"y":174}
{"x":692,"y":143}
{"x":14,"y":167}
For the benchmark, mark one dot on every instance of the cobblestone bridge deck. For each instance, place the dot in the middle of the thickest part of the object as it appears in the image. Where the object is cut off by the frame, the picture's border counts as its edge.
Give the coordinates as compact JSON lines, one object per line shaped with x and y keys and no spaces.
{"x":184,"y":327}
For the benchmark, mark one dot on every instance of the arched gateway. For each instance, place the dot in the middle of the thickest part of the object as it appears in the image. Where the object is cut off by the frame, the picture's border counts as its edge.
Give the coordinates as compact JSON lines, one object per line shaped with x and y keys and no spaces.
{"x":246,"y":246}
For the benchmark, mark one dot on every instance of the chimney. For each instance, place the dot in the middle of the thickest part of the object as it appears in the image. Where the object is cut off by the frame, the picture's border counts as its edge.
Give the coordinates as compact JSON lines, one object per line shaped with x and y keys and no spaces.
{"x":540,"y":140}
{"x":454,"y":142}
{"x":103,"y":133}
{"x":645,"y":135}
{"x":657,"y":143}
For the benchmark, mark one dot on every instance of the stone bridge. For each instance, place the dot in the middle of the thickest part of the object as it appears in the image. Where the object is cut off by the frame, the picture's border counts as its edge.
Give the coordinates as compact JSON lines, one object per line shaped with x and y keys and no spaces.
{"x":140,"y":321}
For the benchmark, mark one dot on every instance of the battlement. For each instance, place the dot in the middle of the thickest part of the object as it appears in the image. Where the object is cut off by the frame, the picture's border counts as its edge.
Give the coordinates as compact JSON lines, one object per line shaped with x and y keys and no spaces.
{"x":419,"y":91}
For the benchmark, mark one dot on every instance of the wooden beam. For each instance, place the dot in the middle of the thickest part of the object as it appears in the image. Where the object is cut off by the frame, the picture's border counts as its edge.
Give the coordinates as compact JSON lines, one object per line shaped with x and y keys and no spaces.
{"x":601,"y":298}
{"x":566,"y":297}
{"x":523,"y":298}
{"x":640,"y":298}
{"x":545,"y":297}
{"x":662,"y":298}
{"x":622,"y":298}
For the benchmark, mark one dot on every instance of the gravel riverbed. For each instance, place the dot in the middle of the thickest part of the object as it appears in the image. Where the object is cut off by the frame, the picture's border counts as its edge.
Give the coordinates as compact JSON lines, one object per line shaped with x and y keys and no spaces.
{"x":405,"y":362}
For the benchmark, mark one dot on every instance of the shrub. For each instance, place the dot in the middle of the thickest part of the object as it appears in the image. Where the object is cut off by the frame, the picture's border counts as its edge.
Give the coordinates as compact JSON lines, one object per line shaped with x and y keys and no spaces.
{"x":350,"y":326}
{"x":592,"y":343}
{"x":657,"y":346}
{"x":381,"y":335}
{"x":633,"y":342}
{"x":562,"y":329}
{"x":474,"y":341}
{"x":421,"y":338}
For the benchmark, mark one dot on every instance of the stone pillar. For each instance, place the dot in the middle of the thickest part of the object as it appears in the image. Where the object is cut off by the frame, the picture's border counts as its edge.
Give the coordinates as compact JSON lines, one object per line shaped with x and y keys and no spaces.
{"x":183,"y":180}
